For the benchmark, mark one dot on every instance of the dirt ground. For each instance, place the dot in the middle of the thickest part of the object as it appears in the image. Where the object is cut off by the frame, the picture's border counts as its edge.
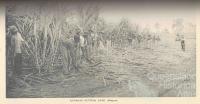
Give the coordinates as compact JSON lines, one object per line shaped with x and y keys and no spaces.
{"x":124,"y":72}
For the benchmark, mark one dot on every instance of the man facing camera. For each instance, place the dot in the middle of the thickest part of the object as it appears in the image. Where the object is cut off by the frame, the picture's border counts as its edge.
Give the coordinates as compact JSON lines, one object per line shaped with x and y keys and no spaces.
{"x":16,"y":44}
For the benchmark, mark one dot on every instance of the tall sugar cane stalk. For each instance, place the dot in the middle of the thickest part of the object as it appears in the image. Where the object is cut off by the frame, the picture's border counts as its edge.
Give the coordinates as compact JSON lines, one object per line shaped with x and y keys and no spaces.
{"x":36,"y":47}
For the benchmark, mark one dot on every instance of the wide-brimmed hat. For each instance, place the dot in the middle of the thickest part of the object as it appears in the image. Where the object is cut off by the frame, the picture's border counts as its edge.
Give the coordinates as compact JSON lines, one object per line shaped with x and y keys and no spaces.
{"x":101,"y":32}
{"x":91,"y":30}
{"x":79,"y":29}
{"x":13,"y":28}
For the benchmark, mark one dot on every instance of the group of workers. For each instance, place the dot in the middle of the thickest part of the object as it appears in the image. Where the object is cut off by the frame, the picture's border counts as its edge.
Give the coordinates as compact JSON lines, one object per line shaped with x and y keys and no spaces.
{"x":79,"y":47}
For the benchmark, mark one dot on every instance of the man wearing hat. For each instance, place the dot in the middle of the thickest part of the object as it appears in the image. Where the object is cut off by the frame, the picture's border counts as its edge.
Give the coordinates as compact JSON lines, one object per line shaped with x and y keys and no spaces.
{"x":182,"y":43}
{"x":71,"y":59}
{"x":16,"y":44}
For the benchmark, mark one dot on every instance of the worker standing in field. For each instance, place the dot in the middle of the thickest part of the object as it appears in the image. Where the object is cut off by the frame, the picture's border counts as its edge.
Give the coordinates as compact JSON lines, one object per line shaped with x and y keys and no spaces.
{"x":71,"y":53}
{"x":182,"y":40}
{"x":112,"y":39}
{"x":182,"y":43}
{"x":139,"y":40}
{"x":130,"y":39}
{"x":9,"y":60}
{"x":154,"y":40}
{"x":77,"y":48}
{"x":83,"y":46}
{"x":16,"y":44}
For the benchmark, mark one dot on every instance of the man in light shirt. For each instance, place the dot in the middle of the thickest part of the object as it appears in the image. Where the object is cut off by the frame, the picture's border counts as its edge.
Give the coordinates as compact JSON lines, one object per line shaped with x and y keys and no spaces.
{"x":16,"y":44}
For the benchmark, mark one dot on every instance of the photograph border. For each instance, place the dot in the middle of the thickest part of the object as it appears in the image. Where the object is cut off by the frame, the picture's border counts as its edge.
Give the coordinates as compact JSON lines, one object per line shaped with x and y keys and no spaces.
{"x":104,"y":100}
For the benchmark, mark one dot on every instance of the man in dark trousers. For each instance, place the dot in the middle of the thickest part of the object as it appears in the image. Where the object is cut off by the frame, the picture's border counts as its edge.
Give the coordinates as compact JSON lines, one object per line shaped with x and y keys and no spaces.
{"x":70,"y":50}
{"x":182,"y":43}
{"x":16,"y":44}
{"x":182,"y":40}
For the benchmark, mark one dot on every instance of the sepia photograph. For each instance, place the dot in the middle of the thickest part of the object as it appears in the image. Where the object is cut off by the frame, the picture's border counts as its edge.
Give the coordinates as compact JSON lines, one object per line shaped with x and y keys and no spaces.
{"x":81,"y":49}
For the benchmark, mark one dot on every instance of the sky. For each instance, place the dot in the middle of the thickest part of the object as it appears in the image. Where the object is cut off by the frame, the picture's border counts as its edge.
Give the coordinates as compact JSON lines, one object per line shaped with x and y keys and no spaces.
{"x":144,"y":13}
{"x":147,"y":14}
